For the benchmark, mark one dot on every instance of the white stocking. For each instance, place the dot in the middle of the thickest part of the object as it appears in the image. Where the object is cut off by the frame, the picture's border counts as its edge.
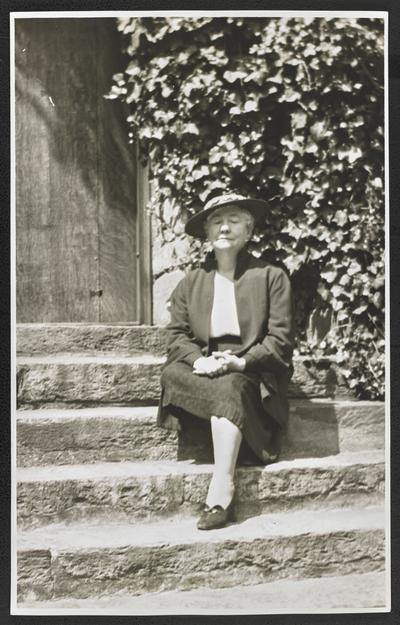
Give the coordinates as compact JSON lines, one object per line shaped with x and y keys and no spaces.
{"x":226,"y":438}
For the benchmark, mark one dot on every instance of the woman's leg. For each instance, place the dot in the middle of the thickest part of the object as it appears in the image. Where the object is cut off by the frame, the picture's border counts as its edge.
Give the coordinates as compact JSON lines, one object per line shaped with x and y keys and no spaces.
{"x":226,"y":438}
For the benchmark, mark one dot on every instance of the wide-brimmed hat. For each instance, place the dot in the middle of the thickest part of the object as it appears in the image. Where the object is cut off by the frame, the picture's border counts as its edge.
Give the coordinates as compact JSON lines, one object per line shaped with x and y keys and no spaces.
{"x":195,"y":225}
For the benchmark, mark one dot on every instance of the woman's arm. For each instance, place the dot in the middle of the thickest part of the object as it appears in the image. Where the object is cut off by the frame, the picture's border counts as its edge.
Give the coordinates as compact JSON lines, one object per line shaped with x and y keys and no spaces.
{"x":274,"y":352}
{"x":182,"y":345}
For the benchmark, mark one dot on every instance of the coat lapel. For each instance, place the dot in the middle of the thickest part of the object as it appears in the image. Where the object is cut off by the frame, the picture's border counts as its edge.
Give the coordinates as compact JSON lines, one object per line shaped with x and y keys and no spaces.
{"x":207,"y":304}
{"x":202,"y":300}
{"x":243,"y":305}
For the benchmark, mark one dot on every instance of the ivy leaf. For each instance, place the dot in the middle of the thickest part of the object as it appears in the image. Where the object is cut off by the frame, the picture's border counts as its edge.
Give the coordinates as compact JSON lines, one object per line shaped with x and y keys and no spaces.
{"x":233,"y":76}
{"x":257,"y":76}
{"x":299,"y":120}
{"x":289,"y":95}
{"x":329,"y":276}
{"x":294,"y":230}
{"x":288,"y":187}
{"x":166,"y":91}
{"x":360,"y":309}
{"x":251,"y":105}
{"x":318,"y":130}
{"x":377,"y":183}
{"x":133,"y":69}
{"x":190,"y":129}
{"x":354,"y":154}
{"x":337,"y":290}
{"x":337,"y":305}
{"x":116,"y":92}
{"x":201,"y":172}
{"x":311,"y":148}
{"x":278,"y":79}
{"x":354,"y":268}
{"x":340,"y":217}
{"x":163,"y":61}
{"x":235,"y":110}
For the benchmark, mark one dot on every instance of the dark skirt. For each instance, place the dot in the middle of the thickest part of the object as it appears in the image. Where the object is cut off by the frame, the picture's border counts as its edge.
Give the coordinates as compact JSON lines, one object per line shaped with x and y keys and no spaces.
{"x":234,"y":395}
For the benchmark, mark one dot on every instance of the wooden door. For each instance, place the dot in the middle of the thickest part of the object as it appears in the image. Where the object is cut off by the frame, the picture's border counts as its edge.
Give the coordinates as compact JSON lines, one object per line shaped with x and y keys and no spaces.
{"x":76,"y":179}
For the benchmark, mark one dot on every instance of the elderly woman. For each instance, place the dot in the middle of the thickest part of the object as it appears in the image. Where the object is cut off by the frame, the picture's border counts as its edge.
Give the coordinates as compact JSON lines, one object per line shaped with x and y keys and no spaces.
{"x":229,"y":346}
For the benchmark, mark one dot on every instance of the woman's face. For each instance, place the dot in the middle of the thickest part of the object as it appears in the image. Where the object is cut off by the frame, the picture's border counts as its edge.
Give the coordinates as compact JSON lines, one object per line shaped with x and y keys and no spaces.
{"x":228,"y":228}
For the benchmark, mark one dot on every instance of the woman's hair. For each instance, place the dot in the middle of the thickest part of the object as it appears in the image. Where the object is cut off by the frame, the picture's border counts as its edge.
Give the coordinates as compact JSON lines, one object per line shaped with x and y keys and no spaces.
{"x":251,"y":222}
{"x":249,"y":219}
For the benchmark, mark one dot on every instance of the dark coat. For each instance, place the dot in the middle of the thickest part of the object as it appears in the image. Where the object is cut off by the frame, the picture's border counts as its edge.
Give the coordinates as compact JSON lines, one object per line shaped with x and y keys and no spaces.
{"x":264,"y":307}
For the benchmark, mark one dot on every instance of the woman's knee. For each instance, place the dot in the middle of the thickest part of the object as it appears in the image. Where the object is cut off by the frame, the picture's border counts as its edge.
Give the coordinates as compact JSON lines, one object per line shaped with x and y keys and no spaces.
{"x":168,"y":375}
{"x":172,"y":374}
{"x":240,"y":381}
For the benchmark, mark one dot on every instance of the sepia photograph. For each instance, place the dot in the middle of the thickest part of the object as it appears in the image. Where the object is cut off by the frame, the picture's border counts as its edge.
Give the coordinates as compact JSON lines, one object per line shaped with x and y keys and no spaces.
{"x":199,"y":236}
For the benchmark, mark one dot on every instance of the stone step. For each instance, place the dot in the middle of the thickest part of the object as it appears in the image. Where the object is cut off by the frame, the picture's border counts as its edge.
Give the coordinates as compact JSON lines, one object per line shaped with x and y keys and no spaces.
{"x":83,"y":379}
{"x":127,"y":491}
{"x":286,"y":596}
{"x":103,"y":378}
{"x":109,"y":434}
{"x":83,"y":560}
{"x":50,"y":338}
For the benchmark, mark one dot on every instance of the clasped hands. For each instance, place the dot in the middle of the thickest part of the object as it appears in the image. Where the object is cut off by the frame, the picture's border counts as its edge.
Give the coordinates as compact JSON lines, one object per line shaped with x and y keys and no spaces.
{"x":218,"y":364}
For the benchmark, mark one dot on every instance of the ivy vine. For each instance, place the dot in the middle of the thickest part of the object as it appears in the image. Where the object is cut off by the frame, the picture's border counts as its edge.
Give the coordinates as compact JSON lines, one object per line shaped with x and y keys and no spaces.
{"x":290,"y":110}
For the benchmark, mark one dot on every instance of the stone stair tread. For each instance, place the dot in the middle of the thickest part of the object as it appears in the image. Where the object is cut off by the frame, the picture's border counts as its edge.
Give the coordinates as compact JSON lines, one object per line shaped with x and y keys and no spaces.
{"x":60,"y":414}
{"x":71,"y":414}
{"x":97,"y":358}
{"x":115,"y":470}
{"x":182,"y":531}
{"x":356,"y":591}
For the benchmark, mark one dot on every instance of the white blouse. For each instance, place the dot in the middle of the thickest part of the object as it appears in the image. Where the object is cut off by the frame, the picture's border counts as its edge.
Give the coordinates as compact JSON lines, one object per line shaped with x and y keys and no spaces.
{"x":224,"y":319}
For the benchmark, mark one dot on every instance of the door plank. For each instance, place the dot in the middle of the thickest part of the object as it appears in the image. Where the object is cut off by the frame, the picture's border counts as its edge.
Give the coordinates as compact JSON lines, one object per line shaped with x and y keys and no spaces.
{"x":57,"y":231}
{"x":117,"y":188}
{"x":75,"y":176}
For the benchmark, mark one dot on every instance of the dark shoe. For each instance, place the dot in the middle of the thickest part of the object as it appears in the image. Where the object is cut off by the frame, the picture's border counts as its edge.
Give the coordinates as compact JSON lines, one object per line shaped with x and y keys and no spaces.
{"x":272,"y":452}
{"x":268,"y":454}
{"x":215,"y":517}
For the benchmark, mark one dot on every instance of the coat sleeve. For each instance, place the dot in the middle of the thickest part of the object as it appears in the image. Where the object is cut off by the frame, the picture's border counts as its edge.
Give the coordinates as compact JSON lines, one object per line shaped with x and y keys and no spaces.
{"x":274,"y":352}
{"x":181,"y":344}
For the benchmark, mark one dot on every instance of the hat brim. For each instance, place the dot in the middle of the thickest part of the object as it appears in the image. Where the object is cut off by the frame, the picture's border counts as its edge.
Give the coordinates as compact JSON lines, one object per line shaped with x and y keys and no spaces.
{"x":195,"y":225}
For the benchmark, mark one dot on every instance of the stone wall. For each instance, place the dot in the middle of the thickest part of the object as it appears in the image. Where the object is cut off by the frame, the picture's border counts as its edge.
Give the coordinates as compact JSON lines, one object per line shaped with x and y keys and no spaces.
{"x":170,"y":255}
